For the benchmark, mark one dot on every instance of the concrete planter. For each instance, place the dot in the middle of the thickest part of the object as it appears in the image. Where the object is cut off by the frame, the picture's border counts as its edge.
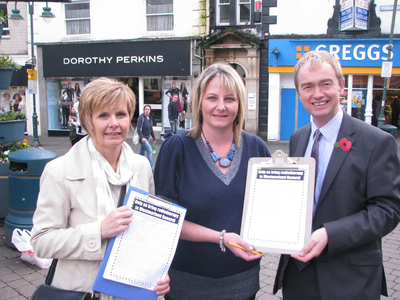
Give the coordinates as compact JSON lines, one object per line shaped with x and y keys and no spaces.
{"x":12,"y":131}
{"x":4,"y":168}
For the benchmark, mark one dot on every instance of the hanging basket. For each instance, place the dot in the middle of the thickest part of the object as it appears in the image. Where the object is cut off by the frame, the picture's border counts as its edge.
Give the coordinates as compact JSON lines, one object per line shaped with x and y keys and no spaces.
{"x":5,"y":78}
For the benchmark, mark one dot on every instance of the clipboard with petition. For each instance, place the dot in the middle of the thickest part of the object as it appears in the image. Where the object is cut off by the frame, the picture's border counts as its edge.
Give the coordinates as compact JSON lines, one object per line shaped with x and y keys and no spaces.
{"x":278,"y":206}
{"x":139,"y":257}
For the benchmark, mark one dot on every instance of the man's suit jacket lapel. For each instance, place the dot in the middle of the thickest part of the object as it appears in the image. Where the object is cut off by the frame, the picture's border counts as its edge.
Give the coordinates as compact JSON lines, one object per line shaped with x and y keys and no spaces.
{"x":298,"y":143}
{"x":338,"y":155}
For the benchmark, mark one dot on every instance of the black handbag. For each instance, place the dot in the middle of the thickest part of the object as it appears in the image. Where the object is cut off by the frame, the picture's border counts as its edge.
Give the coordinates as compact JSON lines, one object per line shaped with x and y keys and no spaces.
{"x":48,"y":292}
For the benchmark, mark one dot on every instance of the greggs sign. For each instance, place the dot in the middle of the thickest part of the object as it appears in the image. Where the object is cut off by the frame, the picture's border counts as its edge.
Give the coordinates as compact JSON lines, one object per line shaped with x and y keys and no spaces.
{"x":350,"y":52}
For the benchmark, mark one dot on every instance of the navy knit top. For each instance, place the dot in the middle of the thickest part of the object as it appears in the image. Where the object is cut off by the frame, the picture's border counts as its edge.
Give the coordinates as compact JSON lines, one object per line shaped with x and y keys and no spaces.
{"x":186,"y":174}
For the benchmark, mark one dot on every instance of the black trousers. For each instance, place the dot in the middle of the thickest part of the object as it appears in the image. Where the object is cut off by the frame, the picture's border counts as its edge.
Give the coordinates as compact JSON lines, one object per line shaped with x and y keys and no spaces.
{"x":169,"y":298}
{"x":65,"y":116}
{"x":300,"y":285}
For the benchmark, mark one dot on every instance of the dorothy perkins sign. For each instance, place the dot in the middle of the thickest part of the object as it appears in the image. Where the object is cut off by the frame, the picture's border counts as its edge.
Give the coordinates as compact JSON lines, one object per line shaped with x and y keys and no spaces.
{"x":150,"y":58}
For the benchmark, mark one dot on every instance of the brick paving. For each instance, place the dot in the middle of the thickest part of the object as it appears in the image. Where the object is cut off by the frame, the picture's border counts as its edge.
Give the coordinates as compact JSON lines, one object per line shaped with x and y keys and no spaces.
{"x":18,"y":279}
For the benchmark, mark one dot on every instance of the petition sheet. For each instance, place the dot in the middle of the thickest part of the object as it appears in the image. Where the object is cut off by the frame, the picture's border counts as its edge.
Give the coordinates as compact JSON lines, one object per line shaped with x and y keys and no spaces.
{"x":277,"y":214}
{"x":142,"y":255}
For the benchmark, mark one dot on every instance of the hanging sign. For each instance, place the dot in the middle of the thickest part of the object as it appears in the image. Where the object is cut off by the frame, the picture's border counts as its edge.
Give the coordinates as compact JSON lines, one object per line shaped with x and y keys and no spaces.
{"x":32,"y":81}
{"x":354,"y":14}
{"x":387,"y":69}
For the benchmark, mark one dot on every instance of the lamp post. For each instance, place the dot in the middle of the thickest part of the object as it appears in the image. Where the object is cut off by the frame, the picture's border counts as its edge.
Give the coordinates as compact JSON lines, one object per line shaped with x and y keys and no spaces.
{"x":381,"y":118}
{"x":16,"y":17}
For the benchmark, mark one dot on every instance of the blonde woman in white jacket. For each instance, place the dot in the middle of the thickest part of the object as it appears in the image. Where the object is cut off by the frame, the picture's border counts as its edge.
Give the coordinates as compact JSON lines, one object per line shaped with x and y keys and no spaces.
{"x":77,"y":205}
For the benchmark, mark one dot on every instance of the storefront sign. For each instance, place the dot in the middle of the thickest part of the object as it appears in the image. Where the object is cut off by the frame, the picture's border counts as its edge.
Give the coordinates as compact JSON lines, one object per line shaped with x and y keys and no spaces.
{"x":350,"y":52}
{"x":354,"y":14}
{"x":150,"y":58}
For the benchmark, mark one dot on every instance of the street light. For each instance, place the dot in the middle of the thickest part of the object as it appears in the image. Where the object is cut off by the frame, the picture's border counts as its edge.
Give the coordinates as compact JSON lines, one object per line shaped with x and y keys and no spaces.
{"x":16,"y":17}
{"x":381,"y":118}
{"x":47,"y":15}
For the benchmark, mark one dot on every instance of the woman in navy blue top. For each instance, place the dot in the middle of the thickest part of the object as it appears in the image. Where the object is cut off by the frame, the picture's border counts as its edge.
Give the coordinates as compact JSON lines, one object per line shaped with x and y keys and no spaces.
{"x":205,"y":171}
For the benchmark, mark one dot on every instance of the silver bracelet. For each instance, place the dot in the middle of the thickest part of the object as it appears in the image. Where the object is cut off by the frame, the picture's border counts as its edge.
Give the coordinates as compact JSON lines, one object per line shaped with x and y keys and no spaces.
{"x":221,"y":241}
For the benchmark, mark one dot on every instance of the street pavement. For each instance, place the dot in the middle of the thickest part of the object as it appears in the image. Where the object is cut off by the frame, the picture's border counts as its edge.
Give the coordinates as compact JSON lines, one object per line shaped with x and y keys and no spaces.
{"x":18,"y":279}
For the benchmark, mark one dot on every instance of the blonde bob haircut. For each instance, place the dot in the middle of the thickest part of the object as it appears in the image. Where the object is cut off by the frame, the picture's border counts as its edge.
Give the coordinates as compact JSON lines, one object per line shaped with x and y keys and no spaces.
{"x":313,"y":60}
{"x":232,"y":82}
{"x":100,"y":94}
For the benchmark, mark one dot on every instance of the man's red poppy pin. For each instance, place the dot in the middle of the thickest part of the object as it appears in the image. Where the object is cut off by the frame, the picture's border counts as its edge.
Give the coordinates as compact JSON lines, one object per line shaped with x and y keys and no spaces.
{"x":344,"y":144}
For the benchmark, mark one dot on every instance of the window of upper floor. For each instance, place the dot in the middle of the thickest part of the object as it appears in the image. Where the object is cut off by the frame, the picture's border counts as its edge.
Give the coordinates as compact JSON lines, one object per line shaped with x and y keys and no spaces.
{"x":6,"y":30}
{"x":223,"y":12}
{"x":160,"y":15}
{"x":243,"y":12}
{"x":233,"y":12}
{"x":77,"y":17}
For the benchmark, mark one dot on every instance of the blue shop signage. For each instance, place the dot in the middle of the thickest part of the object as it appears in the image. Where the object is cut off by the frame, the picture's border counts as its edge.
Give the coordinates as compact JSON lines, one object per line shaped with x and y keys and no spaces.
{"x":350,"y":52}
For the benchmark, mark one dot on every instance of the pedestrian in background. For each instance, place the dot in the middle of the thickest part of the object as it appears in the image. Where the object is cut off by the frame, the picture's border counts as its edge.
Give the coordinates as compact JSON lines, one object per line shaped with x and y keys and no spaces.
{"x":357,"y":193}
{"x":145,"y":129}
{"x":77,"y":209}
{"x":172,"y":116}
{"x":205,"y":171}
{"x":80,"y":132}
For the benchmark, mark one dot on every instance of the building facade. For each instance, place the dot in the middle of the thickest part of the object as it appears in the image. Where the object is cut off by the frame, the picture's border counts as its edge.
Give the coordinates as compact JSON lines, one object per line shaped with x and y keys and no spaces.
{"x":150,"y":45}
{"x":238,"y":34}
{"x":361,"y":47}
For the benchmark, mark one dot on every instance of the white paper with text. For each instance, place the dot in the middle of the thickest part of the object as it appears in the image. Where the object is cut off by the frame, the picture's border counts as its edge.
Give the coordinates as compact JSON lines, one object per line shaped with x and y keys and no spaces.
{"x":142,"y":255}
{"x":278,"y":207}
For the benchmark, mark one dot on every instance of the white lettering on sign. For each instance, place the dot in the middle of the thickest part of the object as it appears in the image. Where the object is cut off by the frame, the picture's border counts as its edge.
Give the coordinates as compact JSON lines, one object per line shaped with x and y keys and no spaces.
{"x":358,"y":52}
{"x":108,"y":60}
{"x":139,"y":59}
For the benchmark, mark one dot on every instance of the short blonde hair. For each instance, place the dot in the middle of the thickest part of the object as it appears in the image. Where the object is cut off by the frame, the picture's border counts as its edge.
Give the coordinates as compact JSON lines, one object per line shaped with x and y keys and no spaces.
{"x":101,"y":93}
{"x":232,"y":83}
{"x":313,"y":60}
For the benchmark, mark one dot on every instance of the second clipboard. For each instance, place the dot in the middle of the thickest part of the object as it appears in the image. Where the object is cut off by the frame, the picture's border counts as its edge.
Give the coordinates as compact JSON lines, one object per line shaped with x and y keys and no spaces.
{"x":278,"y":206}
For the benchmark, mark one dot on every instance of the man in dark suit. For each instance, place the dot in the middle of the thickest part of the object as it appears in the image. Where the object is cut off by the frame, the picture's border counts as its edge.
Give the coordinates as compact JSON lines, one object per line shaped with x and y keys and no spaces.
{"x":357,"y":193}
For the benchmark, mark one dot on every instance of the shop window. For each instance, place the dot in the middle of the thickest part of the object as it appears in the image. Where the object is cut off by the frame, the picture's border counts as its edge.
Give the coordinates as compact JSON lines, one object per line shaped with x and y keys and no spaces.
{"x":160,"y":15}
{"x":153,"y":97}
{"x":6,"y":30}
{"x":243,"y":12}
{"x":360,"y":81}
{"x":77,"y":18}
{"x":152,"y":91}
{"x":358,"y":96}
{"x":392,"y":83}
